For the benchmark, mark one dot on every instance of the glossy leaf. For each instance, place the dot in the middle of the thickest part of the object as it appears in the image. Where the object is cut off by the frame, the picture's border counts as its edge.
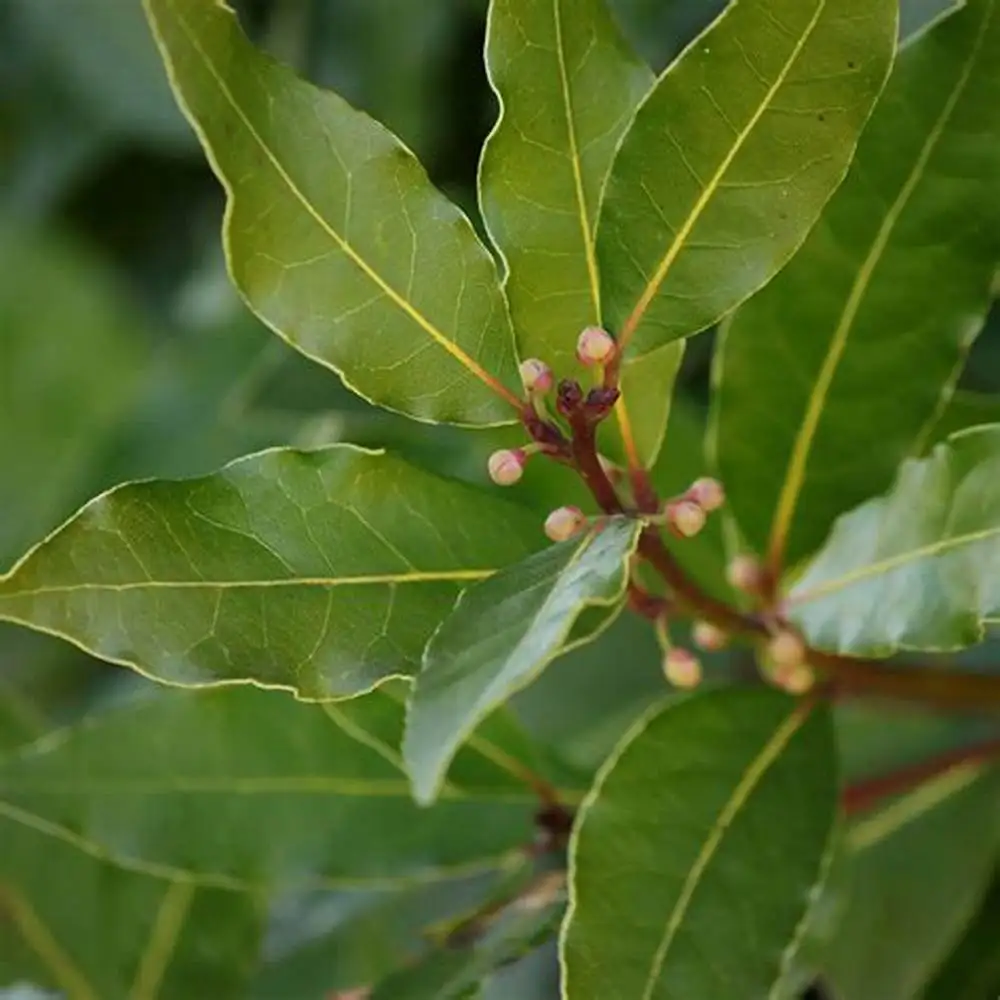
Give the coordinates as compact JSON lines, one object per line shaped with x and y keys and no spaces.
{"x":697,"y":851}
{"x":568,"y":85}
{"x":240,"y":787}
{"x":502,"y":633}
{"x":964,"y":410}
{"x":917,"y":567}
{"x":454,"y":974}
{"x":97,"y":932}
{"x":890,"y":289}
{"x":919,"y":869}
{"x":320,"y":941}
{"x":324,"y":572}
{"x":732,"y":156}
{"x":335,"y":236}
{"x":972,"y":971}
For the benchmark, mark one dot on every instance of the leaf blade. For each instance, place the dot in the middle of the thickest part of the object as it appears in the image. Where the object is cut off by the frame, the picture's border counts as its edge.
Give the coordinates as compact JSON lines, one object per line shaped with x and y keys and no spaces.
{"x":467,"y":672}
{"x":661,"y":890}
{"x":261,"y":126}
{"x":276,"y":790}
{"x":655,"y":290}
{"x":253,"y":574}
{"x":900,"y":261}
{"x":921,"y":552}
{"x":540,"y":182}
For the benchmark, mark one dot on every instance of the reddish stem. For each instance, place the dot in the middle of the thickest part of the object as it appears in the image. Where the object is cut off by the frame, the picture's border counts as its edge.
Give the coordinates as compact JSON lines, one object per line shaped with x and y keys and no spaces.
{"x":864,"y":795}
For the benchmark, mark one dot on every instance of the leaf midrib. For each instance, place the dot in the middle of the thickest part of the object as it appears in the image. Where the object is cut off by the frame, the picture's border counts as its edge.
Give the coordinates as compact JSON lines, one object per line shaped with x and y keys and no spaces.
{"x":400,"y":301}
{"x":677,"y":245}
{"x":744,"y":789}
{"x":374,"y":579}
{"x":937,"y":548}
{"x":795,"y":475}
{"x":577,"y":166}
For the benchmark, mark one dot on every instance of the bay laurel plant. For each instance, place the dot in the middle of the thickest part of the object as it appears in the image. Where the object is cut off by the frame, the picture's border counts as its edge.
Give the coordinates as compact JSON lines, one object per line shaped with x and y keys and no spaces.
{"x":424,"y":818}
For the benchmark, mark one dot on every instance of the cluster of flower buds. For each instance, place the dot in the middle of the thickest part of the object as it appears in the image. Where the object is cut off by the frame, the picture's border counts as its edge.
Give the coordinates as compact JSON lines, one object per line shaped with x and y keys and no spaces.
{"x":565,"y":522}
{"x":746,"y":574}
{"x":536,"y":377}
{"x":682,"y":668}
{"x":595,"y":346}
{"x":686,"y":515}
{"x":506,"y":466}
{"x":709,"y":637}
{"x":785,"y":664}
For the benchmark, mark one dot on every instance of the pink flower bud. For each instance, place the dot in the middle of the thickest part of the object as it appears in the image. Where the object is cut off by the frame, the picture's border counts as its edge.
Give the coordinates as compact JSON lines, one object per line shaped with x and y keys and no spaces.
{"x":745,"y":573}
{"x":686,"y":517}
{"x":536,"y":376}
{"x":786,"y":651}
{"x":507,"y":466}
{"x":565,"y":522}
{"x":798,"y":680}
{"x":595,"y":346}
{"x":682,"y":668}
{"x":707,"y":493}
{"x":709,"y":637}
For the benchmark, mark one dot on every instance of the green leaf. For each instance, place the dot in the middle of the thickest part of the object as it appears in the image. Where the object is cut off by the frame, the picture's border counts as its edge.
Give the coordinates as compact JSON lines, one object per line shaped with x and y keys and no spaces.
{"x":915,"y":568}
{"x":919,"y":870}
{"x":568,"y":85}
{"x":580,"y":708}
{"x":321,"y":941}
{"x":697,"y":851}
{"x":96,"y":932}
{"x":964,"y":410}
{"x":890,"y":289}
{"x":972,"y":971}
{"x":239,"y":787}
{"x":335,"y":236}
{"x":456,"y":973}
{"x":732,"y":156}
{"x":502,"y":633}
{"x":324,"y":572}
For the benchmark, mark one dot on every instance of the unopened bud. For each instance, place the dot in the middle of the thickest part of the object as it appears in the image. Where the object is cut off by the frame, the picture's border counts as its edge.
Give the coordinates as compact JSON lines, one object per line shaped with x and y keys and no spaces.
{"x":536,"y":376}
{"x":682,"y":668}
{"x":798,"y":680}
{"x":565,"y":522}
{"x":686,"y":517}
{"x":595,"y":346}
{"x":709,"y":637}
{"x":507,"y":466}
{"x":745,"y":573}
{"x":707,"y":493}
{"x":786,"y":651}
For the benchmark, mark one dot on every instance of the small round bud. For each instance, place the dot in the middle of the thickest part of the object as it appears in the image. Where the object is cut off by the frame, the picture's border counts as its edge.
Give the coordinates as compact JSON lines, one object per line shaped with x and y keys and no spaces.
{"x":709,"y":637}
{"x":745,"y":573}
{"x":686,"y":517}
{"x":707,"y":493}
{"x":564,"y":522}
{"x":786,"y":651}
{"x":507,"y":466}
{"x":798,"y":680}
{"x":536,"y":376}
{"x":682,"y":668}
{"x":595,"y":346}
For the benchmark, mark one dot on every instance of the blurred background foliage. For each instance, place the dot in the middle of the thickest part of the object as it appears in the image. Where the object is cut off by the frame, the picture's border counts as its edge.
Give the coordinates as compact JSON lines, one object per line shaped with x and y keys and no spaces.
{"x":124,"y":353}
